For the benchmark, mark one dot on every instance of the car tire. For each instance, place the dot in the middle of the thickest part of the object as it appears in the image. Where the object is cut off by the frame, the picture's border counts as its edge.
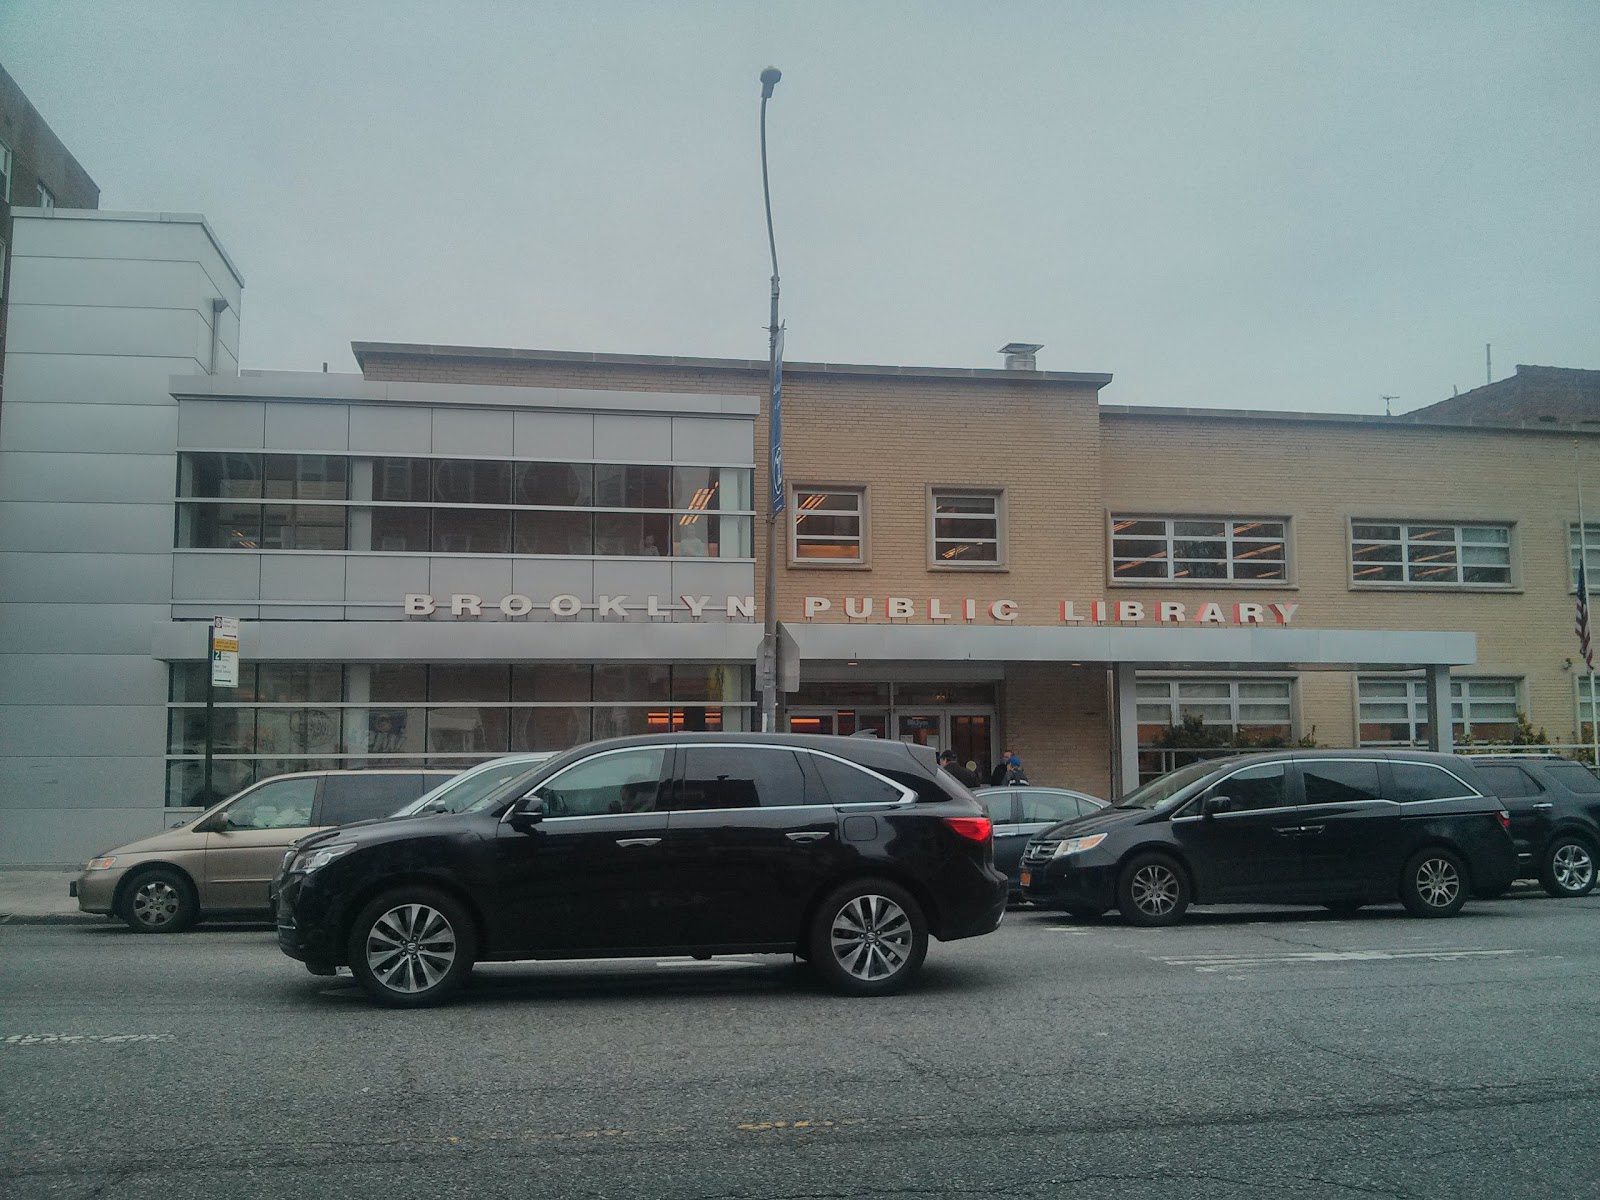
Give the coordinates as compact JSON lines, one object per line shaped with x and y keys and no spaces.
{"x":1568,"y":870}
{"x":159,"y":900}
{"x":1434,"y":883}
{"x":412,"y":947}
{"x":1153,"y":890}
{"x":868,"y":938}
{"x":1345,"y":908}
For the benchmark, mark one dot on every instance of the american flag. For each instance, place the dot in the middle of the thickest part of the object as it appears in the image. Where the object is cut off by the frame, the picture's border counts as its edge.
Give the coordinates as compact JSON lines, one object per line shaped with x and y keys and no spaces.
{"x":1581,"y":627}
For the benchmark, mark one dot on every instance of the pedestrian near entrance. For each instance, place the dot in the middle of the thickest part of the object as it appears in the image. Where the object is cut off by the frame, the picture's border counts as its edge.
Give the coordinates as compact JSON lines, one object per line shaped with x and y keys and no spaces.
{"x":1001,"y":767}
{"x":952,"y":764}
{"x":1015,"y":775}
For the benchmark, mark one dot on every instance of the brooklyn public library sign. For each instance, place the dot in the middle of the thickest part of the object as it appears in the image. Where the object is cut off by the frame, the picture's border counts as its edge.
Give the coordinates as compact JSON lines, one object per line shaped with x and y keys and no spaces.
{"x":465,"y":605}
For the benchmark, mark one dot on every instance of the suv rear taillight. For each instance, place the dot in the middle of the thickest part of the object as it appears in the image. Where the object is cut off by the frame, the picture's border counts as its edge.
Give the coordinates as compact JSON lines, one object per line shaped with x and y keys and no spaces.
{"x":978,"y":829}
{"x":1504,"y":818}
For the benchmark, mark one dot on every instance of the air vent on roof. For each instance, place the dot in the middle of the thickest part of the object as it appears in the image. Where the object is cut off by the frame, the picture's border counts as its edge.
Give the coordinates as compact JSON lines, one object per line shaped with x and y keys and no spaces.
{"x":1019,"y":356}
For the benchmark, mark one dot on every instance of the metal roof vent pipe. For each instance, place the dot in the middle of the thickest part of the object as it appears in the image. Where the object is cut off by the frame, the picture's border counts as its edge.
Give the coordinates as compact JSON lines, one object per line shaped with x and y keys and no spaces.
{"x":1019,"y":356}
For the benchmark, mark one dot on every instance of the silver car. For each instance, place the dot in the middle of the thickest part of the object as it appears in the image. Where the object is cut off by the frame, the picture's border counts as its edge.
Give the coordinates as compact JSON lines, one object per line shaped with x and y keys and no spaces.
{"x":224,"y":860}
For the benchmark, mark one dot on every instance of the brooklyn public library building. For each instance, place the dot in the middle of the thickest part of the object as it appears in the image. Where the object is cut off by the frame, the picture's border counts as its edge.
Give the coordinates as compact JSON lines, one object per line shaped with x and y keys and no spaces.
{"x":461,"y":552}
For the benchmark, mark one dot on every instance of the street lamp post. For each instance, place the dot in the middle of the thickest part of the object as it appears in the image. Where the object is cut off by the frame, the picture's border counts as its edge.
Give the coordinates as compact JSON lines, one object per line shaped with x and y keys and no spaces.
{"x":771,"y":678}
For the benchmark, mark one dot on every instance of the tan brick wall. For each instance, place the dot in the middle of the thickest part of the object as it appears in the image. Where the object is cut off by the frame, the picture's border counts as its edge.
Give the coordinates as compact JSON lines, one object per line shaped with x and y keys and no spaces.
{"x":1322,"y":475}
{"x":1065,"y":466}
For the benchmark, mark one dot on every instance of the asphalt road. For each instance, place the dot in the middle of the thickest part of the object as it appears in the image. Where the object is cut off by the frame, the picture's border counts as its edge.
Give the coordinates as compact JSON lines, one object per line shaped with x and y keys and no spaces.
{"x":1245,"y":1053}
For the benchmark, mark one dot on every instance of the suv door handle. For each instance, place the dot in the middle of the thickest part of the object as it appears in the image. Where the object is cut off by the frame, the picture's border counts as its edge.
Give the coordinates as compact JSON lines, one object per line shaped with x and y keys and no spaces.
{"x":1286,"y":830}
{"x":808,"y":835}
{"x":1312,"y":829}
{"x":1543,"y":806}
{"x":637,"y":841}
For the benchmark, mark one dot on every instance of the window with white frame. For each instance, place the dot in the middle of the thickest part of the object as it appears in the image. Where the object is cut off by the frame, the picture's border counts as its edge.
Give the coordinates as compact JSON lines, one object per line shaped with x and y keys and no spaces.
{"x":828,"y":525}
{"x":1199,"y":549}
{"x":1263,"y":707}
{"x":1429,"y":553}
{"x":5,"y":172}
{"x":43,"y":197}
{"x":966,"y":525}
{"x":1586,"y":703}
{"x":1591,"y":547}
{"x":1393,"y":710}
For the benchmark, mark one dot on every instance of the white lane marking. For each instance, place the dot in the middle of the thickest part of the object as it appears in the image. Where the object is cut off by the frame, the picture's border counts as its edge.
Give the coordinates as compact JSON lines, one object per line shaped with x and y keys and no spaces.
{"x":74,"y":1039}
{"x":1235,"y":962}
{"x":1072,"y":932}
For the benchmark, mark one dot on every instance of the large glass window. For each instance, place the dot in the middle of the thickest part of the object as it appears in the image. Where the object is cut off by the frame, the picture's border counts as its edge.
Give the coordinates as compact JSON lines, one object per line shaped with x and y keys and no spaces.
{"x":311,"y":716}
{"x":1199,"y":549}
{"x":461,"y":506}
{"x":1405,"y":552}
{"x":1393,"y":710}
{"x":828,"y":525}
{"x":966,"y":528}
{"x":1184,"y":720}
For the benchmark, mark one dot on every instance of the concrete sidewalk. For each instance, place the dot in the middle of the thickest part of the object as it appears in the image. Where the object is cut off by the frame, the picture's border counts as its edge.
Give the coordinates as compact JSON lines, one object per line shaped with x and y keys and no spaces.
{"x":39,"y":897}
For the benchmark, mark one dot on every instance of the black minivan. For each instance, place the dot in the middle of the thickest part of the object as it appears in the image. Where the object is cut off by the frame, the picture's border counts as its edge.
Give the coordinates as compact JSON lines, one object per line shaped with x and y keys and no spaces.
{"x":1340,"y":828}
{"x":848,"y":852}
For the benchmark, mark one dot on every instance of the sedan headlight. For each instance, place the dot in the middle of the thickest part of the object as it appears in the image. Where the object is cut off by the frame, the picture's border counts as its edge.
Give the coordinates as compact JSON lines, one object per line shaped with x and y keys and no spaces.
{"x":1079,"y":844}
{"x":101,"y":864}
{"x":318,"y":857}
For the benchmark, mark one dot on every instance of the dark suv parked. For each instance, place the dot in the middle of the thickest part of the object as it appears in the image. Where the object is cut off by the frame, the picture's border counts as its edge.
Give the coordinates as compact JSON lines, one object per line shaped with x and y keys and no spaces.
{"x":1555,"y":817}
{"x":846,"y":851}
{"x":1337,"y":828}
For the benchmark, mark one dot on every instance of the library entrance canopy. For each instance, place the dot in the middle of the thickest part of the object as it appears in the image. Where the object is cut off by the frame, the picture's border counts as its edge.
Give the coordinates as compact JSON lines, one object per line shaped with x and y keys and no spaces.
{"x":1126,"y":650}
{"x":1235,"y":648}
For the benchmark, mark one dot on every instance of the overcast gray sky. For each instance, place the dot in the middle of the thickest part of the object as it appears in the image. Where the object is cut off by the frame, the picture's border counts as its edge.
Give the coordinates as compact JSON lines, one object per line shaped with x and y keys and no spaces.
{"x":1284,"y":205}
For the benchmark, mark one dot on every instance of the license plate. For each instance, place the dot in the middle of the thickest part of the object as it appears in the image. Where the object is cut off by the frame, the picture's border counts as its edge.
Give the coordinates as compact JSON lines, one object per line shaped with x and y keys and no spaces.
{"x":1027,"y":878}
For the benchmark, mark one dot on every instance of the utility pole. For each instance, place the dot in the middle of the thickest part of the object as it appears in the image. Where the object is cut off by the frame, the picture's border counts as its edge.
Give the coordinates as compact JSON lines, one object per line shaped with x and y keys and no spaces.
{"x":771,"y":675}
{"x":1388,"y":409}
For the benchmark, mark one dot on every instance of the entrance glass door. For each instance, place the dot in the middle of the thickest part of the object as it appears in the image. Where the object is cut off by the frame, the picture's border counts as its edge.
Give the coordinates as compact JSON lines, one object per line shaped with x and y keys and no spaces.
{"x":923,"y":729}
{"x":971,"y":737}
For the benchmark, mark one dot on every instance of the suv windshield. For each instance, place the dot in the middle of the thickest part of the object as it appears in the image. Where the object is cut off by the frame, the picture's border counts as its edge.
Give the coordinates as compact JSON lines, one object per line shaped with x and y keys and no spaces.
{"x":470,"y":790}
{"x":1165,"y":787}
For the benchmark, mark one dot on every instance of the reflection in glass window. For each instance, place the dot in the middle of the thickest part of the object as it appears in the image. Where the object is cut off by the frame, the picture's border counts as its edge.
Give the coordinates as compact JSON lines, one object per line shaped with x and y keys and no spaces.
{"x":966,"y":528}
{"x":1413,"y":553}
{"x":467,"y":731}
{"x":402,"y":479}
{"x":555,"y":533}
{"x":548,"y":683}
{"x":566,"y":485}
{"x":302,"y":527}
{"x":1411,"y":781}
{"x":632,"y":486}
{"x":627,"y":781}
{"x":1199,"y":549}
{"x":550,"y":728}
{"x":219,"y":526}
{"x":278,"y":804}
{"x":223,"y":476}
{"x":1254,"y":788}
{"x":471,"y":531}
{"x":401,"y":530}
{"x":1338,"y":781}
{"x":640,"y":534}
{"x":827,"y":525}
{"x":719,"y":777}
{"x":463,"y":481}
{"x":306,"y":477}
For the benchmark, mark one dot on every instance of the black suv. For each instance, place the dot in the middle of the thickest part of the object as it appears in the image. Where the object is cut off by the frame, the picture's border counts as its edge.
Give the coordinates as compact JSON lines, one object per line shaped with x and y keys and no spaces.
{"x":1555,"y":817}
{"x":845,"y":851}
{"x":1341,"y":828}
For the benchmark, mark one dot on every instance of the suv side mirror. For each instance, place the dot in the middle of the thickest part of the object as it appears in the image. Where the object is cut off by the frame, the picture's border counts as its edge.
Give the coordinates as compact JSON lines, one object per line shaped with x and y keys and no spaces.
{"x":524,"y":819}
{"x":1216,"y":804}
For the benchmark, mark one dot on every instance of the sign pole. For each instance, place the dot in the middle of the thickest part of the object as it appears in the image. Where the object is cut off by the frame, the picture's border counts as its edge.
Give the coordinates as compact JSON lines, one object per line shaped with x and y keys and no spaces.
{"x":1583,"y":582}
{"x":222,"y":653}
{"x":211,"y":717}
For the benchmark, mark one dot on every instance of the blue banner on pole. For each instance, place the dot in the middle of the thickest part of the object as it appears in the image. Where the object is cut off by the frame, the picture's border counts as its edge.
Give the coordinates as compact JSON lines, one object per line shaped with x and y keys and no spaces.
{"x":775,"y":429}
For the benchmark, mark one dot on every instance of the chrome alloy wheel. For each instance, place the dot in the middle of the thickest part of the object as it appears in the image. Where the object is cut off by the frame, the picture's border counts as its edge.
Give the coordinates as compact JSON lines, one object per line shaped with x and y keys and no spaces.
{"x":1438,"y":882}
{"x":1155,"y":889}
{"x":410,"y":948}
{"x":155,"y":903}
{"x":1572,"y":867}
{"x":871,"y":937}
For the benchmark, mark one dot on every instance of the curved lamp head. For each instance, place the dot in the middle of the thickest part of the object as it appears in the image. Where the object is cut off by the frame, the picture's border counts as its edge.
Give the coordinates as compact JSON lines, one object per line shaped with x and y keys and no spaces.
{"x":769,"y":80}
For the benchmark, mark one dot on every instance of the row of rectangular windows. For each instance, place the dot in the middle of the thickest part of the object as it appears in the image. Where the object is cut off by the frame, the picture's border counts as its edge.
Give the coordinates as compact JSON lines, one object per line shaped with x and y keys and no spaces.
{"x":966,"y":528}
